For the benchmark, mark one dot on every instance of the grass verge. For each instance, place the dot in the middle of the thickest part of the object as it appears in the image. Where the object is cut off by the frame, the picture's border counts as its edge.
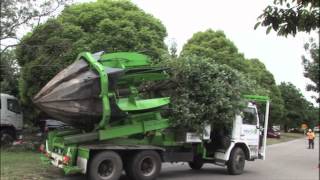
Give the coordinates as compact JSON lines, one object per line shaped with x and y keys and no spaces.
{"x":18,"y":165}
{"x":284,"y":138}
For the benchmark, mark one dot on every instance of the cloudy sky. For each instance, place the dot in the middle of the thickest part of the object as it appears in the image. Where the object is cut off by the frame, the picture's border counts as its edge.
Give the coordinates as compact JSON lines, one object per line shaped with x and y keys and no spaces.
{"x":282,"y":56}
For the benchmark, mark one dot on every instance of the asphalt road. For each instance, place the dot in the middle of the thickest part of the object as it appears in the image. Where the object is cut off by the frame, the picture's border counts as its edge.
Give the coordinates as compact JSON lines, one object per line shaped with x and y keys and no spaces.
{"x":286,"y":161}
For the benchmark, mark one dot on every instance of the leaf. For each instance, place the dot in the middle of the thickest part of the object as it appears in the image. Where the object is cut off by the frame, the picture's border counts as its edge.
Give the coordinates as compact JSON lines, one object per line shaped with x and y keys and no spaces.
{"x":257,"y":25}
{"x":268,"y":29}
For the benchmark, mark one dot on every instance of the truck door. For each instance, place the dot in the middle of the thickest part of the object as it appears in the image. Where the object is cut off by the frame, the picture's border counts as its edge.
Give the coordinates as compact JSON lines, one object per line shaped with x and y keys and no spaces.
{"x":250,"y":130}
{"x":14,"y":114}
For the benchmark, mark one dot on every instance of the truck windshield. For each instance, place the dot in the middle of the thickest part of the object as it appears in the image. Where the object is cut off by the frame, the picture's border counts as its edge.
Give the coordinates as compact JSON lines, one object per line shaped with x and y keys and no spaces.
{"x":249,"y":116}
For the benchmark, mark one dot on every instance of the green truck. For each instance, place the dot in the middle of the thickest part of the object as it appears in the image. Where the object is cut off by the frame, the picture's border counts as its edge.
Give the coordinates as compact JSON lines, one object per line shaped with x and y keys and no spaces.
{"x":117,"y":128}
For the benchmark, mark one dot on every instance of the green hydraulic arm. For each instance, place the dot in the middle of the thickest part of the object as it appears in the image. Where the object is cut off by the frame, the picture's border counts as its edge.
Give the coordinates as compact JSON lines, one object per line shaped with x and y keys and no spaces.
{"x":146,"y":115}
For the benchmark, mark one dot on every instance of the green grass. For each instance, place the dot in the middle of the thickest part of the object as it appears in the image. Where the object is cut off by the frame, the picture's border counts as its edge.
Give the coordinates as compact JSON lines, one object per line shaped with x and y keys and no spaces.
{"x":284,"y":138}
{"x":25,"y":165}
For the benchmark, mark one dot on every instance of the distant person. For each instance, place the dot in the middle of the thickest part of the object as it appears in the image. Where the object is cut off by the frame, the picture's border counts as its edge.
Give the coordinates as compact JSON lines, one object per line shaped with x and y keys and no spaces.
{"x":311,"y":136}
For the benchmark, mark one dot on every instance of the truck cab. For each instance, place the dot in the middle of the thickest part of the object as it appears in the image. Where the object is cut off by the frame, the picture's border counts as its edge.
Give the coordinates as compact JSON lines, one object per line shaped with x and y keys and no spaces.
{"x":11,"y":123}
{"x":232,"y":146}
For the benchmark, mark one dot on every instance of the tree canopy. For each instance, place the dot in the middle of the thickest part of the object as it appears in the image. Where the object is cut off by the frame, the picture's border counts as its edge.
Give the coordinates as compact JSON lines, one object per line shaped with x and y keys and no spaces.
{"x":214,"y":45}
{"x":312,"y":67}
{"x":266,"y":85}
{"x":291,"y":16}
{"x":104,"y":25}
{"x":9,"y":73}
{"x":297,"y":109}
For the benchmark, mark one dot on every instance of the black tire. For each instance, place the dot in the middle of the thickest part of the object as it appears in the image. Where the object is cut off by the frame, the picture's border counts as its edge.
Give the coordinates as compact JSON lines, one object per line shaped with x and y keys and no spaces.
{"x":236,"y":162}
{"x":106,"y":165}
{"x":196,"y":164}
{"x":6,"y":138}
{"x":145,"y":165}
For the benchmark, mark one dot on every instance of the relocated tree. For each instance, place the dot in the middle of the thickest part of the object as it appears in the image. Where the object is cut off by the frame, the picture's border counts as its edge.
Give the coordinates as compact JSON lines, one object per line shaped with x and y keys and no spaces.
{"x":312,"y":67}
{"x":104,"y":25}
{"x":203,"y":92}
{"x":16,"y":14}
{"x":291,"y":16}
{"x":9,"y":72}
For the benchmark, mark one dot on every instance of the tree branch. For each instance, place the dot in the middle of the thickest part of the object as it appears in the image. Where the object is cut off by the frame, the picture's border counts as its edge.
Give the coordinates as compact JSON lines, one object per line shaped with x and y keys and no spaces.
{"x":9,"y":46}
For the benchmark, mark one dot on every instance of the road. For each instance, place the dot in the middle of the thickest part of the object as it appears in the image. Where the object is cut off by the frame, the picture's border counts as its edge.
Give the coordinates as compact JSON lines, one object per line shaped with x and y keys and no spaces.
{"x":285,"y":161}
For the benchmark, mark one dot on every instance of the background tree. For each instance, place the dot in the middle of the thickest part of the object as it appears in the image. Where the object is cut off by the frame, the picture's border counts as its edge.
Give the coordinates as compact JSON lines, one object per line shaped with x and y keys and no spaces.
{"x":173,"y":51}
{"x":215,"y":45}
{"x":104,"y":25}
{"x":312,"y":67}
{"x":16,"y":14}
{"x":9,"y":72}
{"x":266,"y":85}
{"x":297,"y":109}
{"x":290,"y":16}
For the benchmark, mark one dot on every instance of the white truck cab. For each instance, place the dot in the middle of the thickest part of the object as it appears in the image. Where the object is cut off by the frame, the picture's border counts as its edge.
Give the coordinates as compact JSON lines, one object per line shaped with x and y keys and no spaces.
{"x":247,"y":135}
{"x":244,"y":140}
{"x":11,"y":122}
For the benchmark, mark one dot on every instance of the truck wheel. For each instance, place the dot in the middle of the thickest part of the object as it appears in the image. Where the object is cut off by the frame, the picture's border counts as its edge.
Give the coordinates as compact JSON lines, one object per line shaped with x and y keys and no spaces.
{"x":106,"y":165}
{"x":145,"y":165}
{"x":6,"y":138}
{"x":236,"y":162}
{"x":196,"y":164}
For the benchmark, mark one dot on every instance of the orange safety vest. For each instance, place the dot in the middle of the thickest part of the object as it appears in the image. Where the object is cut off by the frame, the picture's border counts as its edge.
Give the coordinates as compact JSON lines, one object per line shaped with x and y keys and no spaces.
{"x":310,"y":135}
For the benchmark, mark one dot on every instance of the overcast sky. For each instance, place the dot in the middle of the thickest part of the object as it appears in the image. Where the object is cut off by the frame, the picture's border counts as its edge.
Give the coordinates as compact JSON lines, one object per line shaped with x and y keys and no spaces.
{"x":282,"y":56}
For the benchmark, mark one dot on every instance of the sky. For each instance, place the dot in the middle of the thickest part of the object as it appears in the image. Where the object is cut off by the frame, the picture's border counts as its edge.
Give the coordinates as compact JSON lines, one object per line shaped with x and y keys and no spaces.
{"x":183,"y":18}
{"x":282,"y":56}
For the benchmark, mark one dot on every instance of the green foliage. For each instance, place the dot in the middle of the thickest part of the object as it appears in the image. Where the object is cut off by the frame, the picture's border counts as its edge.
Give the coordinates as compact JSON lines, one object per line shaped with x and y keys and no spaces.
{"x":297,"y":109}
{"x":203,"y":92}
{"x":290,"y":16}
{"x":215,"y":45}
{"x":104,"y":25}
{"x":312,"y":67}
{"x":9,"y":72}
{"x":266,"y":85}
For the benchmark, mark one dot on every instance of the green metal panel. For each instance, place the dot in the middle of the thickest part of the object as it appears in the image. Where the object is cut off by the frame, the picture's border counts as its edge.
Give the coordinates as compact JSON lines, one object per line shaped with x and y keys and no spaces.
{"x":84,"y":152}
{"x":124,"y":60}
{"x":79,"y":138}
{"x":134,"y":79}
{"x":136,"y":128}
{"x":103,"y":86}
{"x":71,"y":170}
{"x":126,"y":104}
{"x":257,"y":98}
